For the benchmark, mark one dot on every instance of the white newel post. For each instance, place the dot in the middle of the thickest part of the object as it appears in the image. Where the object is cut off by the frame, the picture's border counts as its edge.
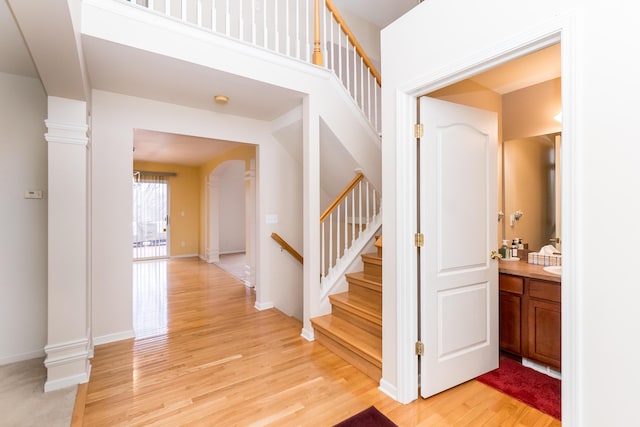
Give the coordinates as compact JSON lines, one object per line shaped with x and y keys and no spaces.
{"x":68,"y":334}
{"x":213,"y":218}
{"x":250,"y":225}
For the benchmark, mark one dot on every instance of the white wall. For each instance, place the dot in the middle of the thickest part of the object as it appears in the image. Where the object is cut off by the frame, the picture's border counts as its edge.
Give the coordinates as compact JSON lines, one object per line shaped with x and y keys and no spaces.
{"x":23,"y":245}
{"x":232,"y":206}
{"x":600,"y":373}
{"x":114,"y":118}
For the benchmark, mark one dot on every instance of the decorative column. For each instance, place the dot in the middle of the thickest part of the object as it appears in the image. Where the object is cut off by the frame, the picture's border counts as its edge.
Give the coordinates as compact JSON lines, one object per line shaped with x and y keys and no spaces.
{"x":250,"y":224}
{"x":68,"y":333}
{"x":213,"y":219}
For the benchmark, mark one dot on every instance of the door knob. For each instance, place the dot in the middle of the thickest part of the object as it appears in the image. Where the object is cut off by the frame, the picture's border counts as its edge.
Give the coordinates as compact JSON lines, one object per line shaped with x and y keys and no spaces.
{"x":495,"y":255}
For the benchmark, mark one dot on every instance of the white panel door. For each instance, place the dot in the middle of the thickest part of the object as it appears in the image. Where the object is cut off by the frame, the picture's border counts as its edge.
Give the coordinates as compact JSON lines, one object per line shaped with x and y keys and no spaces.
{"x":459,"y":280}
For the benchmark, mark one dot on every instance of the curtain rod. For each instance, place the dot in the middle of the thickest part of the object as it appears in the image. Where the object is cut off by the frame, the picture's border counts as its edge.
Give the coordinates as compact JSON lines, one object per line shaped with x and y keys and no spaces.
{"x":155,"y":173}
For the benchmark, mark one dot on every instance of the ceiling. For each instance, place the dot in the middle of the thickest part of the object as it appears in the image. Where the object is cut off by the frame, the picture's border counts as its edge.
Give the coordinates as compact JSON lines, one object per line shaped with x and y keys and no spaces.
{"x":126,"y":70}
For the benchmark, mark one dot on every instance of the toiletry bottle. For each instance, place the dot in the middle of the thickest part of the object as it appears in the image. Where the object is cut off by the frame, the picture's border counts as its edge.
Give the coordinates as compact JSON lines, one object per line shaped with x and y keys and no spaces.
{"x":520,"y":244}
{"x":514,"y":248}
{"x":504,"y":250}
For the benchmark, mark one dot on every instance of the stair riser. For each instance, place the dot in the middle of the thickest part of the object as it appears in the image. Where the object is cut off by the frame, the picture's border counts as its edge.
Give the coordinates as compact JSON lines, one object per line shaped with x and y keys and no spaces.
{"x":370,"y":369}
{"x":357,"y":320}
{"x":373,"y":269}
{"x":365,"y":288}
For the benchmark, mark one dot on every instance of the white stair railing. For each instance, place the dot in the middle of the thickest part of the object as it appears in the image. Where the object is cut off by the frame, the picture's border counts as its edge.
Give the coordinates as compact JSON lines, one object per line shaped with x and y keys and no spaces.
{"x":346,"y":226}
{"x":291,"y":28}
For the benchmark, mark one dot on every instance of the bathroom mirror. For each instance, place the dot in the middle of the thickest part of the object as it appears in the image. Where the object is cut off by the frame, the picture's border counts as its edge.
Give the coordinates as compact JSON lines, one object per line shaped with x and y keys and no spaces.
{"x":531,"y":190}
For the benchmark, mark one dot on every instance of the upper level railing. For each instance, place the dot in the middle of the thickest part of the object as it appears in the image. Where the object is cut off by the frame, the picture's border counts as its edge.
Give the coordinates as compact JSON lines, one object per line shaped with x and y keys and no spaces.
{"x":299,"y":29}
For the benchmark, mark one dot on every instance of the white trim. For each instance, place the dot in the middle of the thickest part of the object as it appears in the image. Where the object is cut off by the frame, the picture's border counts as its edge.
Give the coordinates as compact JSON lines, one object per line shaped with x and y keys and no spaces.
{"x":66,"y":139}
{"x":185,"y":256}
{"x":261,"y":306}
{"x":559,"y":28}
{"x":388,"y":389}
{"x":543,"y":369}
{"x":119,"y":336}
{"x":67,"y":127}
{"x":308,"y":334}
{"x":21,"y":357}
{"x":67,"y":381}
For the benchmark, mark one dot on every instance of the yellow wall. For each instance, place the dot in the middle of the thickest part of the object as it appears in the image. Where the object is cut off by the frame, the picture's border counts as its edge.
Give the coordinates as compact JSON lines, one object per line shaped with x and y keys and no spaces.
{"x":184,"y":205}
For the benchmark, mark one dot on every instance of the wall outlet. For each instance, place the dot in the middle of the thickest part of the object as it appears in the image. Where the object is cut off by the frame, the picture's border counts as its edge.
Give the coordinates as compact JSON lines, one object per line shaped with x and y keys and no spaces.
{"x":183,"y":244}
{"x":33,"y":194}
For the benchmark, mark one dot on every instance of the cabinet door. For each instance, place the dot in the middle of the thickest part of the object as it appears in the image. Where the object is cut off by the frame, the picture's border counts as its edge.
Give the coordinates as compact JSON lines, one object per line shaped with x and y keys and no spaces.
{"x":510,"y":322}
{"x":544,"y":332}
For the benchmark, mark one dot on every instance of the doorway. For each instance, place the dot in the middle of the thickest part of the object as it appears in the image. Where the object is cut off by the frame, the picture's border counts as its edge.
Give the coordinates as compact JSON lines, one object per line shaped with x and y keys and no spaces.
{"x":492,"y":90}
{"x":150,"y":216}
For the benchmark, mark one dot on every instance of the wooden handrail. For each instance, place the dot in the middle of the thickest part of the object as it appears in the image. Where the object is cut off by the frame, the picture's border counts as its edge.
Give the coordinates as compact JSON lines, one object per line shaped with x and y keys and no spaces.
{"x":342,"y":195}
{"x":354,"y":41}
{"x":287,"y":247}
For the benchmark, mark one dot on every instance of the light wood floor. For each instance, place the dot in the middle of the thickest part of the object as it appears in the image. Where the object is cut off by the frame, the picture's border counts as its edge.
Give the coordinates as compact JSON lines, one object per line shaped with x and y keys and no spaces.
{"x":223,"y":363}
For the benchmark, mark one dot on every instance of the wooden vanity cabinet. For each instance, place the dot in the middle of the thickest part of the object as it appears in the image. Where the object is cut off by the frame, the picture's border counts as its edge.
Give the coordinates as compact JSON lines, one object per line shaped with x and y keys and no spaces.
{"x":544,"y":322}
{"x":530,"y":318}
{"x":511,"y":290}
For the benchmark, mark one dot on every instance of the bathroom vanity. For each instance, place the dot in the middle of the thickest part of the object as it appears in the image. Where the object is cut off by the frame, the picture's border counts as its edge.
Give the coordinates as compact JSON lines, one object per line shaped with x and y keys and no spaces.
{"x":530,"y":312}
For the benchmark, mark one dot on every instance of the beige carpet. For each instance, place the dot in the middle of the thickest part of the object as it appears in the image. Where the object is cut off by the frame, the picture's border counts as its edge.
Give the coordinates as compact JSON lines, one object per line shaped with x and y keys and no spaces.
{"x":23,"y":402}
{"x":234,"y":264}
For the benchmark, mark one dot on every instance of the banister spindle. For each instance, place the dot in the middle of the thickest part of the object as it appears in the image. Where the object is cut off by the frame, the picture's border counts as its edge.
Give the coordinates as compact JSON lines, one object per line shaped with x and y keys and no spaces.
{"x":322,"y":249}
{"x":338,"y":233}
{"x":360,"y":205}
{"x":353,"y":215}
{"x":317,"y":54}
{"x":346,"y":223}
{"x":227,"y":18}
{"x":367,"y":201}
{"x":330,"y":241}
{"x":199,"y":13}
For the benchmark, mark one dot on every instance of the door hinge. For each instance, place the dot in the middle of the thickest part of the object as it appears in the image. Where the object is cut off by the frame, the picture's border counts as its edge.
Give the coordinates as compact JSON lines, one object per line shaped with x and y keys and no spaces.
{"x":419,"y":348}
{"x":418,"y":240}
{"x":418,"y":130}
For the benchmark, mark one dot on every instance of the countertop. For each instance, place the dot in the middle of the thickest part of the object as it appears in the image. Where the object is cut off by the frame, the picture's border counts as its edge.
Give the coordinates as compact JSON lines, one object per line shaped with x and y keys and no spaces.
{"x":523,"y":268}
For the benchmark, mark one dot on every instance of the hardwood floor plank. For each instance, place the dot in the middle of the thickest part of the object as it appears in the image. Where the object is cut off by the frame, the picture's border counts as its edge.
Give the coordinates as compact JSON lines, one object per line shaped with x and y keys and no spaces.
{"x":221,"y":362}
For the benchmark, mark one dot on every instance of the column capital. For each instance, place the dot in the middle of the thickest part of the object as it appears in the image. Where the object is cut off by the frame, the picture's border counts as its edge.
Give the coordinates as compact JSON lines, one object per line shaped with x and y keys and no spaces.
{"x":66,"y":133}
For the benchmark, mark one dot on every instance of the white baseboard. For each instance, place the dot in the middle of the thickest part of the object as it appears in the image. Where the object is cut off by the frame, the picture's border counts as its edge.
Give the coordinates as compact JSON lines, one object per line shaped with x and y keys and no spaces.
{"x":388,"y":389}
{"x":308,"y":334}
{"x":67,"y":381}
{"x":186,"y":256}
{"x":544,"y":369}
{"x":21,"y":357}
{"x":119,"y":336}
{"x":260,"y":306}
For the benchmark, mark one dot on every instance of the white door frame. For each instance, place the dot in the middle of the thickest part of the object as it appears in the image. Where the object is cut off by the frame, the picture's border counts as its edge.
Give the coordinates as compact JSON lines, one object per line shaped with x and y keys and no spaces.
{"x":558,"y":29}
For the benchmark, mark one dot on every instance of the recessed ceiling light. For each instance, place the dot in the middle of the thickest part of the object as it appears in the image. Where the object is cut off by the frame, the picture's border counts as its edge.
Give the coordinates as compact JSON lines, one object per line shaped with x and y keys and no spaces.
{"x":221,"y":99}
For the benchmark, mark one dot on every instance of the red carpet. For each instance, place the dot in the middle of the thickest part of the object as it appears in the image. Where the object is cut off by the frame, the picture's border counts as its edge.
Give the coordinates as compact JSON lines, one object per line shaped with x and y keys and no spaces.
{"x":370,"y":417}
{"x":527,"y":385}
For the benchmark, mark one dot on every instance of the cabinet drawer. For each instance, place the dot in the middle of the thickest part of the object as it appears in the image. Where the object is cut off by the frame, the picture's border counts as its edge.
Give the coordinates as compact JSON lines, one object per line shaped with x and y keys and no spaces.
{"x":513,"y":284}
{"x":544,"y":290}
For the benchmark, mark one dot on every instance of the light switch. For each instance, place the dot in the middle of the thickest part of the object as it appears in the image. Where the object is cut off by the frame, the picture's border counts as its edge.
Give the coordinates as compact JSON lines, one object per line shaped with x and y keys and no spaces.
{"x":272,"y":219}
{"x":33,"y":194}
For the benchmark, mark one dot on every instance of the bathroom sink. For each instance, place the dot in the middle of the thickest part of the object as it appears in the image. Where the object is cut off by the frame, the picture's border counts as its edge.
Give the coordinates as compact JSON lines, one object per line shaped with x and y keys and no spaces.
{"x":553,"y":269}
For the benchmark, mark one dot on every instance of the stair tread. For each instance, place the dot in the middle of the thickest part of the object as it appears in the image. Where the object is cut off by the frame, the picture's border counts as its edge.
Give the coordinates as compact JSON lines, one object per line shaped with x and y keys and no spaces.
{"x":372,"y":258}
{"x":362,"y":276}
{"x":366,"y":303}
{"x":353,"y":336}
